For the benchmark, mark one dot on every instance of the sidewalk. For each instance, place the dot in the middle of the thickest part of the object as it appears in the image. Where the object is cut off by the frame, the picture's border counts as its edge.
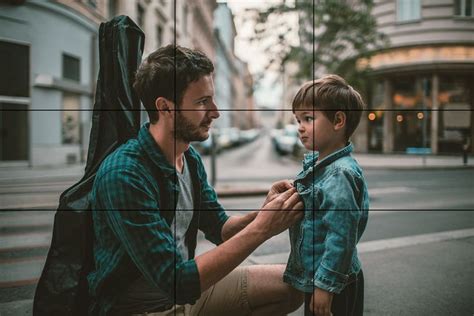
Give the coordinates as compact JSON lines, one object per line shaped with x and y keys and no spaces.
{"x":245,"y":187}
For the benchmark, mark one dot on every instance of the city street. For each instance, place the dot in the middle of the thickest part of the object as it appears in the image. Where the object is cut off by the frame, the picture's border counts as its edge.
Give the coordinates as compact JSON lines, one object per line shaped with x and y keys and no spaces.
{"x":416,"y":252}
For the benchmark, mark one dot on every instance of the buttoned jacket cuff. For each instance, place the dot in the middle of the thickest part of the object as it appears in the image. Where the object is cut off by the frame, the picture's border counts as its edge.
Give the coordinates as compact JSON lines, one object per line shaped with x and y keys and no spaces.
{"x":329,"y":280}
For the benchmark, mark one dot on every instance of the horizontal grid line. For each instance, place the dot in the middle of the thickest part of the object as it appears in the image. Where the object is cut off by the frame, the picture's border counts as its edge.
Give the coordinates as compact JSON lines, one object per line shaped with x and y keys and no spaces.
{"x":238,"y":110}
{"x":248,"y":209}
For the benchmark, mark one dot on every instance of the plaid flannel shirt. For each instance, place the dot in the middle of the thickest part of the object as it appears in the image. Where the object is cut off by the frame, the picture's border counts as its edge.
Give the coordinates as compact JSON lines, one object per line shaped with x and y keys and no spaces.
{"x":133,"y":200}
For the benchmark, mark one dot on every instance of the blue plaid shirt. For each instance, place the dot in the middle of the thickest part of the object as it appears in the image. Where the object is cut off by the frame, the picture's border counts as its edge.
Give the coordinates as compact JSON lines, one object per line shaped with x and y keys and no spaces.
{"x":133,"y":200}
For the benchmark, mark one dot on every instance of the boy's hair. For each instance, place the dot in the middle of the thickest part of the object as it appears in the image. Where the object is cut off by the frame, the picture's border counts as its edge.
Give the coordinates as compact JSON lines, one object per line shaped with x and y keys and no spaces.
{"x":330,"y":94}
{"x":158,"y":73}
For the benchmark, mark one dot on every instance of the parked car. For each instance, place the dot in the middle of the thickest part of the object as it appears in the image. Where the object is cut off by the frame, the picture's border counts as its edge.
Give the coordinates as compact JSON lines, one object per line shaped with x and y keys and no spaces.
{"x":249,"y":135}
{"x":286,"y":141}
{"x":228,"y":137}
{"x":205,"y":147}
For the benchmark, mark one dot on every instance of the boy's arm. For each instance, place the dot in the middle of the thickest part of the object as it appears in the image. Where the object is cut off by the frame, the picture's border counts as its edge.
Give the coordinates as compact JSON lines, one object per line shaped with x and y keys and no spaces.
{"x":342,"y":215}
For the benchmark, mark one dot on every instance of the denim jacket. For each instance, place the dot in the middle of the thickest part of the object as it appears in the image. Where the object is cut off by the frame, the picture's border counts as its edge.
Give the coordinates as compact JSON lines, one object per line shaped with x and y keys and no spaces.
{"x":323,"y":244}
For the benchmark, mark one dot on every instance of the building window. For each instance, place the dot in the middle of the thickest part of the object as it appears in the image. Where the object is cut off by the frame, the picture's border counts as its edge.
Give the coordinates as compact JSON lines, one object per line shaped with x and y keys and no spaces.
{"x":92,"y":3}
{"x":159,"y":36}
{"x":112,"y":8}
{"x":185,"y":19}
{"x":140,"y":15}
{"x":14,"y":70}
{"x":464,"y":8}
{"x":71,"y":127}
{"x":71,"y":68}
{"x":408,"y":10}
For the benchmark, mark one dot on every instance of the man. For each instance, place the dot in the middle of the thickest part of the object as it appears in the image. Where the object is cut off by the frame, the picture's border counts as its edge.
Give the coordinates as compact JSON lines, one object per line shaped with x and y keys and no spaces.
{"x":151,"y":196}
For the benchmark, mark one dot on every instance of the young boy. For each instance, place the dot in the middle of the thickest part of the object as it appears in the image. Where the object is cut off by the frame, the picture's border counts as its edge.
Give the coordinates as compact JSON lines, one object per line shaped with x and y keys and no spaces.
{"x":323,"y":261}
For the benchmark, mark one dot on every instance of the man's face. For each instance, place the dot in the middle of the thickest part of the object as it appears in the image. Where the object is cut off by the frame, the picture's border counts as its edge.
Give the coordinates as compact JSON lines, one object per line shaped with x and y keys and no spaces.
{"x":197,"y":111}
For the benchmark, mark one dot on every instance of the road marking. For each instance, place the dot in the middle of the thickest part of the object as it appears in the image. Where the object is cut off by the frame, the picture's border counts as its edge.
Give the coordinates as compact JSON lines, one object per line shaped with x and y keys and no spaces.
{"x":24,"y":240}
{"x":380,"y":245}
{"x":407,"y":241}
{"x":25,"y":271}
{"x":390,"y":190}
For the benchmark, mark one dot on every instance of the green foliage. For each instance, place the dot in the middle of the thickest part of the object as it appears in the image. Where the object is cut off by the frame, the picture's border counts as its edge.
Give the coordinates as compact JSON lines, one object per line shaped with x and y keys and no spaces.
{"x":333,"y":35}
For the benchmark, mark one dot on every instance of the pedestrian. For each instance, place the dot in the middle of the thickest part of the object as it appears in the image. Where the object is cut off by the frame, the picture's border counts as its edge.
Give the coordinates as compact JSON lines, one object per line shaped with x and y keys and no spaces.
{"x":323,"y":262}
{"x":151,"y":196}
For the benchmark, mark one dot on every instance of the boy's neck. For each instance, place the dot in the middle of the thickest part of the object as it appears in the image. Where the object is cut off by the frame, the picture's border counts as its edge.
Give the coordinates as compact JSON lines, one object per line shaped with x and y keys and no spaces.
{"x":332,"y":148}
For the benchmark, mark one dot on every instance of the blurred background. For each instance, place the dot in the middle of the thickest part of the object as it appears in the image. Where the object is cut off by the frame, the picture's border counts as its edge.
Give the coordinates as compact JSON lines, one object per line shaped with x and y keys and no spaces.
{"x":412,"y":60}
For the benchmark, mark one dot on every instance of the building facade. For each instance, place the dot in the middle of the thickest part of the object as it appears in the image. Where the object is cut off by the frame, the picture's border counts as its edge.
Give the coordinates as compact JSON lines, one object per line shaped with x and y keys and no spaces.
{"x":47,"y":85}
{"x":226,"y":70}
{"x":49,"y":67}
{"x":422,"y":98}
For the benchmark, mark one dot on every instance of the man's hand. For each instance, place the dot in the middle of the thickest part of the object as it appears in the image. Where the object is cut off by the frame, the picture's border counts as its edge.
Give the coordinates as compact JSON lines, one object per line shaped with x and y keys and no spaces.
{"x":321,"y":302}
{"x":276,"y":189}
{"x":283,"y":211}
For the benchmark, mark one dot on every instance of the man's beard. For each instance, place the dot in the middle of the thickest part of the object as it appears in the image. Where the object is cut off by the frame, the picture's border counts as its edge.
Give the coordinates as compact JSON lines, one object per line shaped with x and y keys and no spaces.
{"x":189,"y":132}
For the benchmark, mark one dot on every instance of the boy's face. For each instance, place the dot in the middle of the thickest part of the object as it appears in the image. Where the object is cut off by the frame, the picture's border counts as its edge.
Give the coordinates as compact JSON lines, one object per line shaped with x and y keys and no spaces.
{"x":315,"y":130}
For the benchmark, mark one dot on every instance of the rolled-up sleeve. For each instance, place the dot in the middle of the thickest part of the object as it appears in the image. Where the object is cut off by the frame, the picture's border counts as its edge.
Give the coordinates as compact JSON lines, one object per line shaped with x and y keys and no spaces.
{"x":341,"y":218}
{"x":133,"y":216}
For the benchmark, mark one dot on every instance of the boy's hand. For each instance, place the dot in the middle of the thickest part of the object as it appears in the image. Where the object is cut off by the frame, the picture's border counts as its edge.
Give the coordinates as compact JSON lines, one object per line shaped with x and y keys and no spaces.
{"x":321,"y":302}
{"x":276,"y":189}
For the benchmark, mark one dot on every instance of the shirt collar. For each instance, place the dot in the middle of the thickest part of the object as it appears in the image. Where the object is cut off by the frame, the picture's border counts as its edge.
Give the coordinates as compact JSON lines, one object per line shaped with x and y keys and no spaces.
{"x":153,"y":150}
{"x":310,"y":160}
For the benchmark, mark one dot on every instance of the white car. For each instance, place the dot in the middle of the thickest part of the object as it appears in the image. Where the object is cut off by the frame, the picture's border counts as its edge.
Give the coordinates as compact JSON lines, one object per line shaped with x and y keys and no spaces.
{"x":286,"y":140}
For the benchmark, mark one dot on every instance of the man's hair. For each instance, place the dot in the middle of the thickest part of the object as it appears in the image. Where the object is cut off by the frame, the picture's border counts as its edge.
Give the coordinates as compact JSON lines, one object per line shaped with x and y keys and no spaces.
{"x":330,"y":94}
{"x":158,"y":73}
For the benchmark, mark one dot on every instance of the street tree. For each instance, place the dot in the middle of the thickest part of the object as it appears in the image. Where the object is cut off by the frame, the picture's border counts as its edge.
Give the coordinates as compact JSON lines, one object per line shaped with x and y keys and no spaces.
{"x":333,"y":36}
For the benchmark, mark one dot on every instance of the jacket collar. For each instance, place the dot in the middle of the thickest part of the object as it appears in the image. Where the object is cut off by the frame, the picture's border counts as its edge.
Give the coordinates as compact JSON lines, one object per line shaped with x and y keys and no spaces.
{"x":310,"y":160}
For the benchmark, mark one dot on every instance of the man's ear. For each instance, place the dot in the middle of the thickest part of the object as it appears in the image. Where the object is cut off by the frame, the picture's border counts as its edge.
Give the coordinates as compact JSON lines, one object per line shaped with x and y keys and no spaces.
{"x":339,"y":120}
{"x":164,"y":106}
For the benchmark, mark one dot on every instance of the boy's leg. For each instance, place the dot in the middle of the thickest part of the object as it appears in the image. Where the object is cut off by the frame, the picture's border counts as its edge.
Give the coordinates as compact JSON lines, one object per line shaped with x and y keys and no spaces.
{"x":350,"y":302}
{"x":250,"y":290}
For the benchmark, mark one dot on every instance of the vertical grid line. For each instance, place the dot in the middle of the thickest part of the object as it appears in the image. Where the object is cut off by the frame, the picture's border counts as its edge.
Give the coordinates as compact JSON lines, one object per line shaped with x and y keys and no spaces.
{"x":175,"y":151}
{"x":313,"y":132}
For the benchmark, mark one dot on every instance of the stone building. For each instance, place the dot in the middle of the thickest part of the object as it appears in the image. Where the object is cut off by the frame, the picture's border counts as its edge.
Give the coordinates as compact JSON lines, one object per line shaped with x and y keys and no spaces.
{"x":422,"y":99}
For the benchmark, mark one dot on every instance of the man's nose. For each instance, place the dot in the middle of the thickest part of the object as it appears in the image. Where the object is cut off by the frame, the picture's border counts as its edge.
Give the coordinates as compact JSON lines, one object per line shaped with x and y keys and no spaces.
{"x":214,"y":112}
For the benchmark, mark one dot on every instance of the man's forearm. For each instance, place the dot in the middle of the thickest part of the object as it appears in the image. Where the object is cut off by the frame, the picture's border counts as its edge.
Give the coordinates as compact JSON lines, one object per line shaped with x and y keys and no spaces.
{"x":220,"y":261}
{"x":236,"y":223}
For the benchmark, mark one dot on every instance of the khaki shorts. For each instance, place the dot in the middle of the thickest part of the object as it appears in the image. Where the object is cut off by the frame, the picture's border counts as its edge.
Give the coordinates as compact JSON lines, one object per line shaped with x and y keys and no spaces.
{"x":227,"y":297}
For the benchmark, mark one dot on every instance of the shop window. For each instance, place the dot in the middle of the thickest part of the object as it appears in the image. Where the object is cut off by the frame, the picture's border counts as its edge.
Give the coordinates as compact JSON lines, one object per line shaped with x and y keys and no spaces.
{"x":71,"y":68}
{"x":412,"y":115}
{"x":375,"y":117}
{"x":71,"y":127}
{"x":14,"y":70}
{"x":408,"y":10}
{"x":464,"y":8}
{"x":455,"y":119}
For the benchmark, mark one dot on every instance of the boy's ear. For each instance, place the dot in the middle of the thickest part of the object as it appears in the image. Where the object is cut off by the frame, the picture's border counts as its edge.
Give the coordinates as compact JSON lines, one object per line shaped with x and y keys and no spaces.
{"x":339,"y":120}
